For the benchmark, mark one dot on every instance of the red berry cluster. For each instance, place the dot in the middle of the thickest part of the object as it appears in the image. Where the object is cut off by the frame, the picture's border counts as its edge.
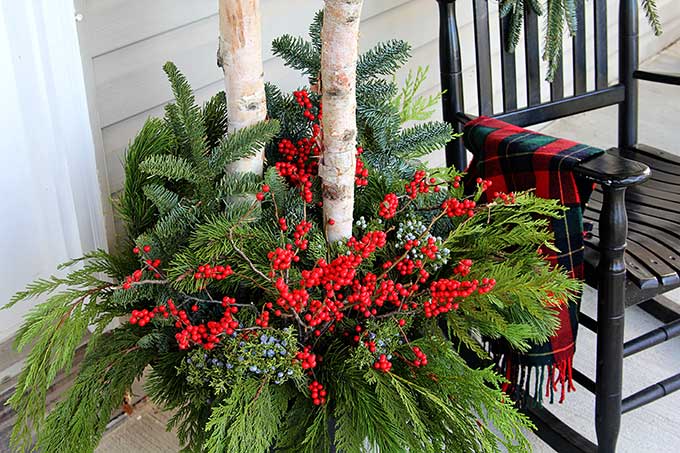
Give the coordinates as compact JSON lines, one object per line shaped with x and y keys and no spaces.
{"x":368,"y":244}
{"x":317,"y":393}
{"x":207,"y":271}
{"x":463,"y":267}
{"x":368,"y":295}
{"x":457,"y":208}
{"x":283,"y":258}
{"x":134,"y":278}
{"x":283,"y":225}
{"x":487,"y":285}
{"x":445,"y":294}
{"x":143,"y":317}
{"x":370,"y":345}
{"x":301,"y":231}
{"x":421,"y":357}
{"x":146,"y":248}
{"x":307,"y":358}
{"x":382,"y":364}
{"x":302,"y":98}
{"x":263,"y":319}
{"x":507,"y":198}
{"x":300,"y":163}
{"x":484,"y":183}
{"x":420,"y":184}
{"x":417,"y":185}
{"x":207,"y":335}
{"x":260,"y":195}
{"x":361,"y":173}
{"x":430,"y":249}
{"x":407,"y":266}
{"x":388,"y":207}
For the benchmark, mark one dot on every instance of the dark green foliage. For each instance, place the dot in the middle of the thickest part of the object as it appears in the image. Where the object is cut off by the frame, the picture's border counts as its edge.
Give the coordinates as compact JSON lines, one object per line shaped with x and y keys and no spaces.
{"x":137,"y":211}
{"x":113,"y":362}
{"x":383,"y":60}
{"x":239,"y":396}
{"x":652,"y":13}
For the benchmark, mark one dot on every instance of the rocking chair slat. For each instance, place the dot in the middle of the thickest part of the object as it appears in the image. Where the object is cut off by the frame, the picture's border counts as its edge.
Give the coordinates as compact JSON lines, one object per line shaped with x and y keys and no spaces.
{"x":636,"y":270}
{"x":648,"y":156}
{"x":652,"y":212}
{"x":532,"y":57}
{"x":483,"y":55}
{"x":557,"y":85}
{"x":652,"y":262}
{"x":601,"y":57}
{"x":508,"y":68}
{"x":579,"y":40}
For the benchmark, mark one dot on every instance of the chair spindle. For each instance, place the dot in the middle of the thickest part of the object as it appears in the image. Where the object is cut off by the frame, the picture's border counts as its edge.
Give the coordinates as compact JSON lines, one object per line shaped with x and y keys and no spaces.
{"x":532,"y":57}
{"x":483,"y":56}
{"x":508,"y":68}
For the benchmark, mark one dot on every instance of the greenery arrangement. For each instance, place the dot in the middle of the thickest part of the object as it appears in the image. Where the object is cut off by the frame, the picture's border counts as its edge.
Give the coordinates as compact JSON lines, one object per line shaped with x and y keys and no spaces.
{"x":259,"y":335}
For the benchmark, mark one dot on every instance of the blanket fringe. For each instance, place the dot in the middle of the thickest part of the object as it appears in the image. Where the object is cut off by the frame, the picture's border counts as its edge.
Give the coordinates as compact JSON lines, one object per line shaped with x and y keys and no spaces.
{"x":530,"y":385}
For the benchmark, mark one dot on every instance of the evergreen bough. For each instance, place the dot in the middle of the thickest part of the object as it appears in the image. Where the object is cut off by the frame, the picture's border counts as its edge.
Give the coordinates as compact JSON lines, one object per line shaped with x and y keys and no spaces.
{"x":181,"y":207}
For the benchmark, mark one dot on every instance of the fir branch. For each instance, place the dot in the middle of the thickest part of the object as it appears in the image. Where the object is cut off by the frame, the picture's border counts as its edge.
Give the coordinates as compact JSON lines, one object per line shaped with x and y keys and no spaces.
{"x":243,"y":143}
{"x":298,"y":54}
{"x":652,"y":13}
{"x":215,"y":117}
{"x":383,"y":60}
{"x":315,"y":30}
{"x":133,"y":206}
{"x":554,"y":30}
{"x":422,"y":139}
{"x":164,"y":200}
{"x":174,"y":168}
{"x":186,"y":120}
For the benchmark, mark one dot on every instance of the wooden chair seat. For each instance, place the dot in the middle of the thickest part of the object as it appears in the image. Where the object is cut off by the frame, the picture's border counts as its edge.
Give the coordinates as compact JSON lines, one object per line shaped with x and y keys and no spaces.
{"x":653,"y":250}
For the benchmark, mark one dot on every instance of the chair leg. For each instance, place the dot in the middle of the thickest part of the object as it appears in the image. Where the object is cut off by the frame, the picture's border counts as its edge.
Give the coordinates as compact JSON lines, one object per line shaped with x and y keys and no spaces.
{"x":610,"y":314}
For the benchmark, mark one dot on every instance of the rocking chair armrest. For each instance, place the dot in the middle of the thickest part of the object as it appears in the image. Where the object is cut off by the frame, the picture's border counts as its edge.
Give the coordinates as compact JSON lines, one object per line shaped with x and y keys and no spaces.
{"x":610,"y":170}
{"x":661,"y":77}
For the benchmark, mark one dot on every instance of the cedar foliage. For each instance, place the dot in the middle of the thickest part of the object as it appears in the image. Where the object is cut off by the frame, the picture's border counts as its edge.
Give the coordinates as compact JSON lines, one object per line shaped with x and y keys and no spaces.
{"x":179,"y":200}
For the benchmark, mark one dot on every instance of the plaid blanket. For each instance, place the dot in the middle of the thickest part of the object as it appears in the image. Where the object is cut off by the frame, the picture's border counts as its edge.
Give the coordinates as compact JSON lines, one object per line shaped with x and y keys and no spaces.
{"x":517,"y":159}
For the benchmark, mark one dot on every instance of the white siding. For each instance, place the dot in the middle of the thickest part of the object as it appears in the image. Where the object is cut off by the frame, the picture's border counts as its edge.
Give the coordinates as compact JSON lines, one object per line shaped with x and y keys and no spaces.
{"x":126,"y":42}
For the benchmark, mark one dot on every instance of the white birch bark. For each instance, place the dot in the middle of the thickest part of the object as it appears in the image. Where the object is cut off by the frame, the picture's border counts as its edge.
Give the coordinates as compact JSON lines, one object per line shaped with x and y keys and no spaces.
{"x":339,"y":53}
{"x":240,"y":56}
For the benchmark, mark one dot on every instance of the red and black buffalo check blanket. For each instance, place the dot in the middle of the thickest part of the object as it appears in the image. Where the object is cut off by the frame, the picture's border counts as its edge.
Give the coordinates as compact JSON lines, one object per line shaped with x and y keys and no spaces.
{"x":517,"y":159}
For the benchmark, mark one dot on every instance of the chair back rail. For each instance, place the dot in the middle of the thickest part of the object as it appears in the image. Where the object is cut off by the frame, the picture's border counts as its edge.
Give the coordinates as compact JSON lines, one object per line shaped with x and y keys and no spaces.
{"x":534,"y":110}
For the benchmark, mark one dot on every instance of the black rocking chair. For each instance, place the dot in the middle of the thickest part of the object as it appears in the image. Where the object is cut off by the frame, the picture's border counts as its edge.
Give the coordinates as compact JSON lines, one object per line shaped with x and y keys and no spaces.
{"x":633,"y":254}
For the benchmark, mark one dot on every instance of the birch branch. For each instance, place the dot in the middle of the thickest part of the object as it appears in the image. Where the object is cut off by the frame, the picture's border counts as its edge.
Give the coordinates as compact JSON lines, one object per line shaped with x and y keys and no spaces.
{"x":339,"y":53}
{"x":240,"y":57}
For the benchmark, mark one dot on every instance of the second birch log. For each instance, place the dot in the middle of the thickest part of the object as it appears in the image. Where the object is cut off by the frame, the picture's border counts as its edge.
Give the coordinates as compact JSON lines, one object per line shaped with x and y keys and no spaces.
{"x":339,"y":54}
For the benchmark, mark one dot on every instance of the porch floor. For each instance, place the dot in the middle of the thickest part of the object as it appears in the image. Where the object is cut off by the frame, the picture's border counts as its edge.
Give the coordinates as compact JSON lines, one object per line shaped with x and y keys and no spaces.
{"x":651,"y":428}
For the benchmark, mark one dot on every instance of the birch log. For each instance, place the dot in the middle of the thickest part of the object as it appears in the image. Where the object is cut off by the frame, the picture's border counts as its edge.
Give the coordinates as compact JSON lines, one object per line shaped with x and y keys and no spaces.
{"x":339,"y":53}
{"x":240,"y":56}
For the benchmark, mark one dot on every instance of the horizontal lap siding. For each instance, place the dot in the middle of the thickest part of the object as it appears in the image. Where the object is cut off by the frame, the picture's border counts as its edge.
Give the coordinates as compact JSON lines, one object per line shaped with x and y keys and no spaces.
{"x":126,"y":42}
